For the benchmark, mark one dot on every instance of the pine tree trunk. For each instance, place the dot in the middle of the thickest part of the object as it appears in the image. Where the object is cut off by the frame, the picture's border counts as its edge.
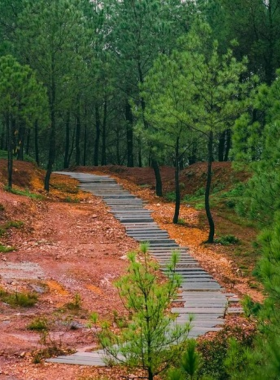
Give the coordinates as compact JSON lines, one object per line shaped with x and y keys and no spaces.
{"x":207,"y":190}
{"x":228,"y":144}
{"x":139,"y":154}
{"x":158,"y":178}
{"x":129,"y":135}
{"x":78,"y":137}
{"x":27,"y":141}
{"x":177,"y":185}
{"x":36,"y":143}
{"x":20,"y":142}
{"x":85,"y":146}
{"x":97,"y":137}
{"x":10,"y":152}
{"x":104,"y":135}
{"x":67,"y":141}
{"x":51,"y":158}
{"x":221,"y":147}
{"x":51,"y":153}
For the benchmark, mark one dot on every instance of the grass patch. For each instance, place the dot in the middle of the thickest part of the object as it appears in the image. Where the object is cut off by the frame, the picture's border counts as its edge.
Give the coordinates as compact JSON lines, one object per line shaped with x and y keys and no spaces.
{"x":227,"y":240}
{"x":181,"y":222}
{"x":38,"y":324}
{"x":12,"y":223}
{"x":5,"y":249}
{"x":50,"y":348}
{"x":199,"y":206}
{"x":25,"y":192}
{"x":71,"y":200}
{"x":18,"y":299}
{"x":171,"y":196}
{"x":76,"y":304}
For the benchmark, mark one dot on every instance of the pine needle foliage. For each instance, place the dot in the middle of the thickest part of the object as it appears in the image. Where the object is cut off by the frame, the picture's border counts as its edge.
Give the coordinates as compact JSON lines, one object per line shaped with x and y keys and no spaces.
{"x":152,"y":340}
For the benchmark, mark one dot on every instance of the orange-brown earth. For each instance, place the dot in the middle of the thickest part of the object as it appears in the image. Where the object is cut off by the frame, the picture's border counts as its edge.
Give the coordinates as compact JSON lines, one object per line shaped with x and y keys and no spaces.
{"x":70,"y":250}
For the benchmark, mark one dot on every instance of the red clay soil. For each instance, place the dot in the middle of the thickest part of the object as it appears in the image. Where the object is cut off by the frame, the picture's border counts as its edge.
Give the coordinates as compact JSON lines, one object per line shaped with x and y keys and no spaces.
{"x":69,"y":251}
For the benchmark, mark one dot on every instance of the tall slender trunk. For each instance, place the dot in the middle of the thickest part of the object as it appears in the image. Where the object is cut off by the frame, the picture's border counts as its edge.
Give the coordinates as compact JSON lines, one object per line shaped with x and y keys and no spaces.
{"x":3,"y":140}
{"x":129,"y":134}
{"x":67,"y":141}
{"x":155,"y":165}
{"x":228,"y":144}
{"x":97,"y":137}
{"x":20,"y":141}
{"x":118,"y":147}
{"x":207,"y":190}
{"x":140,"y":164}
{"x":36,"y":143}
{"x":269,"y":58}
{"x":158,"y":178}
{"x":78,"y":137}
{"x":85,"y":145}
{"x":177,"y":185}
{"x":221,"y":146}
{"x":51,"y":152}
{"x":27,"y":146}
{"x":10,"y":151}
{"x":104,"y":134}
{"x":52,"y":97}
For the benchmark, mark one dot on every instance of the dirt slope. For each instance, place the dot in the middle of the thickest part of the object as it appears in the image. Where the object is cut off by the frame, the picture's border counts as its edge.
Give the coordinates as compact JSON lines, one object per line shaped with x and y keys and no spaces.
{"x":69,"y":250}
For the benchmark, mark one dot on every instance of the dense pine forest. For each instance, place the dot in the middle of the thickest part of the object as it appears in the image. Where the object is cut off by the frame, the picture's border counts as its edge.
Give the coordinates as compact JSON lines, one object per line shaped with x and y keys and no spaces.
{"x":151,"y":83}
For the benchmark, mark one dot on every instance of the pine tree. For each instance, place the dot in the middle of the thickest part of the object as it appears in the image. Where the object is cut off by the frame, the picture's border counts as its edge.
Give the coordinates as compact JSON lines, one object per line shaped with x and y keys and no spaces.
{"x":200,"y":91}
{"x":22,"y":101}
{"x":152,"y":340}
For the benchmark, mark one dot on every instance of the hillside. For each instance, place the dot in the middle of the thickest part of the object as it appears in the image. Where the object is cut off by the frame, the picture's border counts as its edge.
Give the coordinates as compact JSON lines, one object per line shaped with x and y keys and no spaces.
{"x":67,"y":250}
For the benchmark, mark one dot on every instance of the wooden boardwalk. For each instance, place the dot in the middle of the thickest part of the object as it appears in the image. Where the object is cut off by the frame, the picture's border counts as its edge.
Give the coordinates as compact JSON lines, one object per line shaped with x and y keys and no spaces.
{"x":201,"y":295}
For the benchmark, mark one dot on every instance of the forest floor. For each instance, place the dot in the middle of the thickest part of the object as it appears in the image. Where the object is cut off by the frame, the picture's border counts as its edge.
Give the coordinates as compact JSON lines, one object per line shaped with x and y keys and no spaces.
{"x":68,"y":250}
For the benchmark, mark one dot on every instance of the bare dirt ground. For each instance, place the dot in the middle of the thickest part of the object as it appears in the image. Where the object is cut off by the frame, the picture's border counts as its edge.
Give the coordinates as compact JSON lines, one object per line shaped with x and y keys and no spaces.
{"x":69,"y":251}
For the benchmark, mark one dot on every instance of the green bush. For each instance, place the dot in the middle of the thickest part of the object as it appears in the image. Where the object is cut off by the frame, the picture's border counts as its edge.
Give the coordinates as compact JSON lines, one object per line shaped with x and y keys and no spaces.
{"x":171,"y":196}
{"x":227,"y":240}
{"x":76,"y":304}
{"x":12,"y":223}
{"x":18,"y":299}
{"x":4,"y":248}
{"x":38,"y":324}
{"x":215,"y":351}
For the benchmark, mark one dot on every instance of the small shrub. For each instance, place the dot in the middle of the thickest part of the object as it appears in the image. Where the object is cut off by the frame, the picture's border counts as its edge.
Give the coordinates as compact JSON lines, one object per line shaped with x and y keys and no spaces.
{"x":18,"y":299}
{"x":218,"y":187}
{"x":181,"y":222}
{"x":230,"y":203}
{"x":75,"y":304}
{"x":22,"y":299}
{"x":93,"y":317}
{"x":12,"y":223}
{"x":52,"y":348}
{"x":250,"y":307}
{"x":236,"y":191}
{"x":227,"y":240}
{"x":38,"y":324}
{"x":5,"y":249}
{"x":71,"y":200}
{"x":121,"y":322}
{"x":214,"y":351}
{"x":199,"y":206}
{"x":171,"y":197}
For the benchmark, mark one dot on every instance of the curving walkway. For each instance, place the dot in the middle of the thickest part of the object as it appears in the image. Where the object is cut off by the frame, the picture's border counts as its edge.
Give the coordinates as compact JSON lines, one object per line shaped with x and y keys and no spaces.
{"x":200,"y":294}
